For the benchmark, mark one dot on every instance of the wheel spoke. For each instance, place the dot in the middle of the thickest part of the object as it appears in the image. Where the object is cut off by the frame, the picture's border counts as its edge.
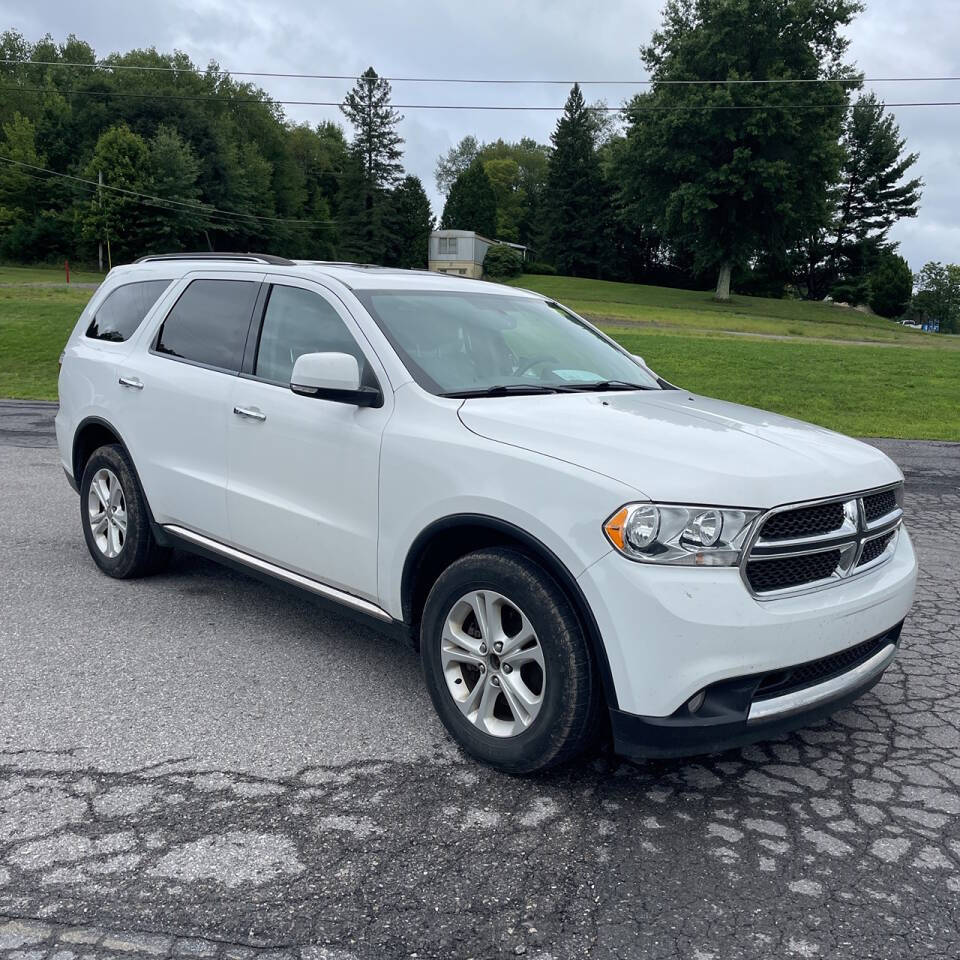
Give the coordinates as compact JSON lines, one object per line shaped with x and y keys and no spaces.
{"x":99,"y":524}
{"x":98,"y":486}
{"x":518,"y":657}
{"x":116,"y":495}
{"x":487,"y":613}
{"x":455,"y":638}
{"x":485,"y":709}
{"x":449,"y":653}
{"x":120,"y":519}
{"x":469,"y":704}
{"x":523,"y":702}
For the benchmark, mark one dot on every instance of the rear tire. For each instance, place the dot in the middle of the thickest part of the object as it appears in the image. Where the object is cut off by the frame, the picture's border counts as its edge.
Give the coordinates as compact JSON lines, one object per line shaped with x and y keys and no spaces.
{"x":115,"y":518}
{"x":506,"y":663}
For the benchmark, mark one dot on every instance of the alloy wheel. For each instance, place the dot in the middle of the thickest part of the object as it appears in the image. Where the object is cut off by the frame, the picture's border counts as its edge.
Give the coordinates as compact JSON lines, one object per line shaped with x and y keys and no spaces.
{"x":493,"y":663}
{"x":107,"y":511}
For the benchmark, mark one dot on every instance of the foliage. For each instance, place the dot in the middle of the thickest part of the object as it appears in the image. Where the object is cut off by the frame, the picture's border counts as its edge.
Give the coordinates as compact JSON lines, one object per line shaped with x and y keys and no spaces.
{"x":937,"y":296}
{"x":870,"y":196}
{"x":539,"y":267}
{"x":472,"y":203}
{"x":728,"y":170}
{"x":891,"y":285}
{"x":502,"y":262}
{"x":413,"y":221}
{"x":455,"y":162}
{"x":575,"y":196}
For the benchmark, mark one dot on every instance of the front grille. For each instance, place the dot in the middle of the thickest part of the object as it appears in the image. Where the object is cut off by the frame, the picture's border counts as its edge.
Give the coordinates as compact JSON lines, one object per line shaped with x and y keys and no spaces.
{"x":787,"y":552}
{"x":781,"y":573}
{"x":804,"y":522}
{"x":873,"y":548}
{"x":817,"y":671}
{"x":878,"y":505}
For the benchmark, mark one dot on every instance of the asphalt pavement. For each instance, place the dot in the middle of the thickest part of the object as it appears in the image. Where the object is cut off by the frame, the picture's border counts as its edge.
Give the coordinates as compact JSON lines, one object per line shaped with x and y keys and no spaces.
{"x":198,"y":764}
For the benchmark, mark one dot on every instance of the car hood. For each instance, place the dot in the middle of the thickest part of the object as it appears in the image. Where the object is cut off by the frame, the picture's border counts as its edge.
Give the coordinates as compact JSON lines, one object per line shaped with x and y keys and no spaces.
{"x":671,"y":445}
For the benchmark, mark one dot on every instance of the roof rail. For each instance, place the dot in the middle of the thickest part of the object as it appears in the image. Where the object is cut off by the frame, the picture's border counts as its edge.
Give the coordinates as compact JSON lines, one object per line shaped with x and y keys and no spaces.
{"x":206,"y":255}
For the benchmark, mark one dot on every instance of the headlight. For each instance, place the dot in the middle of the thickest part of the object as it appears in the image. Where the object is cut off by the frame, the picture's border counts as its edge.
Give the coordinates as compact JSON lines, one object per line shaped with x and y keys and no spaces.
{"x":693,"y":536}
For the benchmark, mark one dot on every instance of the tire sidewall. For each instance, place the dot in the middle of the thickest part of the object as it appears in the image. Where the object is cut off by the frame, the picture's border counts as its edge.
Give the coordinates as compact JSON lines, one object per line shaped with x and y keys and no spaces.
{"x":568,"y":679}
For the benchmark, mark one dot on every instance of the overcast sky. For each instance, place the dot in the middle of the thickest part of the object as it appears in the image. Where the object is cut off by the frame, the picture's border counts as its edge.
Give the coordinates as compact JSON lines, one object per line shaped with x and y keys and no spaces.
{"x":537,"y":39}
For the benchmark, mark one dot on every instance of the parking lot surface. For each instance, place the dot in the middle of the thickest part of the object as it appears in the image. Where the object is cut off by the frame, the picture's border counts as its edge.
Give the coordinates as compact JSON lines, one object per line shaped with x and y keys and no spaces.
{"x":198,"y":764}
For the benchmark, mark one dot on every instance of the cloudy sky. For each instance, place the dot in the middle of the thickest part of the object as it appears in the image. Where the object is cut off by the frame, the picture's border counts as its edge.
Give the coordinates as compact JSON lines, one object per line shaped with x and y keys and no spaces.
{"x":536,"y":39}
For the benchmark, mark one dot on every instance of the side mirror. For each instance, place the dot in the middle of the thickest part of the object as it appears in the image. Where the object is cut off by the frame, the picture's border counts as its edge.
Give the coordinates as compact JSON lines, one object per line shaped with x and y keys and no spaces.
{"x":332,"y":376}
{"x":640,"y":360}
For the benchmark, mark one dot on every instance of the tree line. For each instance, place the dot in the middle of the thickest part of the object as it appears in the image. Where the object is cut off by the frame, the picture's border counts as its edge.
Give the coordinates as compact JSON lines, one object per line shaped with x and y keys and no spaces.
{"x":193,"y":160}
{"x":769,"y":188}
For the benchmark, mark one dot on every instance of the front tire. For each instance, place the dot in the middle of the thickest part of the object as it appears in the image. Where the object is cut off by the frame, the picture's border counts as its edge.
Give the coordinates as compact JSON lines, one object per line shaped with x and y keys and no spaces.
{"x":115,"y":519}
{"x":506,"y":662}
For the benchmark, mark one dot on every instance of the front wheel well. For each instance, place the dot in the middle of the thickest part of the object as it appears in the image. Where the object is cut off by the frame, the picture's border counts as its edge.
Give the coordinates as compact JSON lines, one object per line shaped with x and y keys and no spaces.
{"x":446,"y":541}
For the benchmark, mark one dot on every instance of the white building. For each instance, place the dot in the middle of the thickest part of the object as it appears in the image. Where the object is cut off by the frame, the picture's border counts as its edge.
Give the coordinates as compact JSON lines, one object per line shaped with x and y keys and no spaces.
{"x":462,"y":252}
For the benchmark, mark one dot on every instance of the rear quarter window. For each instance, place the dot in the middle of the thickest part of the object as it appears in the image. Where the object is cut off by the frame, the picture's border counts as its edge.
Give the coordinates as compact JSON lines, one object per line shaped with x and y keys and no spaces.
{"x":118,"y":317}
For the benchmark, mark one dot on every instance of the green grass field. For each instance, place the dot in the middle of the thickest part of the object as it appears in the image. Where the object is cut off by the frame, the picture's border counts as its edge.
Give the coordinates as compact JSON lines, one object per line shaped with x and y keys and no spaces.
{"x":903,"y":385}
{"x":686,"y":311}
{"x":46,"y":274}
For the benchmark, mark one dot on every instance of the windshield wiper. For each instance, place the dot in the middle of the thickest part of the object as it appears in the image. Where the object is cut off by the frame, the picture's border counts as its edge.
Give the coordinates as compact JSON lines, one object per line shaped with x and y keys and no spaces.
{"x":612,"y":385}
{"x":506,"y":390}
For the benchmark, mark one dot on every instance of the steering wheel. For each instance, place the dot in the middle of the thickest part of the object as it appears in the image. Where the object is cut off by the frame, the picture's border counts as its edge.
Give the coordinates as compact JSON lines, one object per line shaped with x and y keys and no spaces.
{"x":530,"y":364}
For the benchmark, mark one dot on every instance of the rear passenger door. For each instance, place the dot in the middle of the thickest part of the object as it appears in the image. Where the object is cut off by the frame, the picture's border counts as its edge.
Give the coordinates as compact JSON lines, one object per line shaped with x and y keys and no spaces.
{"x":175,"y":392}
{"x":304,"y":472}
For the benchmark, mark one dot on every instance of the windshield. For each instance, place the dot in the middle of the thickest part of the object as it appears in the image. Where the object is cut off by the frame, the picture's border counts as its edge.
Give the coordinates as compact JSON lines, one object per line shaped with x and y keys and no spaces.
{"x":456,"y":342}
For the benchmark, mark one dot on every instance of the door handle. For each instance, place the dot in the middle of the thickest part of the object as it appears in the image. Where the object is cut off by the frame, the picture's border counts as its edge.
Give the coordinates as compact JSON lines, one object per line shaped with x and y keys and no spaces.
{"x":131,"y":382}
{"x":250,"y":413}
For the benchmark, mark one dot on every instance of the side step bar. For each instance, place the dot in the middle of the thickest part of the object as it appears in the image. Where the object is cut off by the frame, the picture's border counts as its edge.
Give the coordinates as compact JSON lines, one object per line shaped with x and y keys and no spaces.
{"x":296,"y":579}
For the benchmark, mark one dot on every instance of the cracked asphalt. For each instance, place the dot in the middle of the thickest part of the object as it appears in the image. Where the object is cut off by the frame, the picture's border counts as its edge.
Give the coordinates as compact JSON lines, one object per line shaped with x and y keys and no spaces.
{"x":201,"y":765}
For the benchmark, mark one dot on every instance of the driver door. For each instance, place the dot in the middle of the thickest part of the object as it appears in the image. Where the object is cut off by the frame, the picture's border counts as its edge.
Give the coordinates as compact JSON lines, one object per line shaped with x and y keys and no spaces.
{"x":303,"y":488}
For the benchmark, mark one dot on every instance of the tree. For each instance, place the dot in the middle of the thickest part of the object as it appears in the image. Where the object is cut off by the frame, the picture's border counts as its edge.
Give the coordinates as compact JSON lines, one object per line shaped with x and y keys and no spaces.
{"x":891,"y":285}
{"x":869,"y":198}
{"x":174,"y":169}
{"x":938,"y":296}
{"x":472,"y":203}
{"x":376,"y":143}
{"x":374,"y":168}
{"x":575,"y":201}
{"x":412,"y":223}
{"x":113,"y":217}
{"x":729,"y":170}
{"x":455,"y":161}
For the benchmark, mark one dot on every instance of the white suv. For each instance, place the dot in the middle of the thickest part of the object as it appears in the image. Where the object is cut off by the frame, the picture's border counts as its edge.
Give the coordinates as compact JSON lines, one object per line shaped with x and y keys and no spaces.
{"x":570,"y":540}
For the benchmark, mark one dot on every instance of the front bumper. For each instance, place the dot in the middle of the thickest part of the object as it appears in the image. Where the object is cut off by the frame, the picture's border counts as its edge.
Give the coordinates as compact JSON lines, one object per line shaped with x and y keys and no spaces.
{"x":744,"y":710}
{"x":669,"y":633}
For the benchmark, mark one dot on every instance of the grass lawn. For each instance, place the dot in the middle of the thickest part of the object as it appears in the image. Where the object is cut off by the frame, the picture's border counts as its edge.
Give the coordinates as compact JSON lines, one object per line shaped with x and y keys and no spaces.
{"x":622,"y":304}
{"x":34,"y":325}
{"x":910,"y":388}
{"x":47,"y":274}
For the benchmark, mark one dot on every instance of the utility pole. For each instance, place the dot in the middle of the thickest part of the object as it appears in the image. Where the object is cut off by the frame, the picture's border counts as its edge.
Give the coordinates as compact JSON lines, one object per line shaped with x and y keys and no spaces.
{"x":100,"y":204}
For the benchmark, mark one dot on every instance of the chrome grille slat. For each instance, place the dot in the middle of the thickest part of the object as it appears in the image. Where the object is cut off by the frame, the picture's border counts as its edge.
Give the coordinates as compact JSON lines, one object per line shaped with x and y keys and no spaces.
{"x":862,"y":532}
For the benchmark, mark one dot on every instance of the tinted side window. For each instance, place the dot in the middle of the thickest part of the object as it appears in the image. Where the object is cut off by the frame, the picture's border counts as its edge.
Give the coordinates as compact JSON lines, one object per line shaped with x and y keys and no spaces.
{"x":121,"y":313}
{"x":209,"y":323}
{"x":297,"y":322}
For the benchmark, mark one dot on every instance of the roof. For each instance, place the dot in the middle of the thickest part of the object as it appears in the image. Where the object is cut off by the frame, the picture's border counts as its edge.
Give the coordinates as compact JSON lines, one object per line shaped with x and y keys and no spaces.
{"x":356,"y":276}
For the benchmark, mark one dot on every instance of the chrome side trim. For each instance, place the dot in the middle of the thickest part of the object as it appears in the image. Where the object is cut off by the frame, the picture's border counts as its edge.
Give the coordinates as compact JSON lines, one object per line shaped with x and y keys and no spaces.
{"x":298,"y":580}
{"x":800,"y":700}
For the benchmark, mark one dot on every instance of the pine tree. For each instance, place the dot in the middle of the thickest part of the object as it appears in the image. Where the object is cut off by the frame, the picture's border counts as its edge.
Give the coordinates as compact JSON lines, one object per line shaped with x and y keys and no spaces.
{"x":575,"y":201}
{"x":472,"y":203}
{"x":374,"y":169}
{"x":411,"y":224}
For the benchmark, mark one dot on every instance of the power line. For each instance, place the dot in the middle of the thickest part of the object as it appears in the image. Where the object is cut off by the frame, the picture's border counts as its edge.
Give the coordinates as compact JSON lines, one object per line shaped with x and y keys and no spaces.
{"x":469,"y":106}
{"x":107,"y":65}
{"x":196,"y":207}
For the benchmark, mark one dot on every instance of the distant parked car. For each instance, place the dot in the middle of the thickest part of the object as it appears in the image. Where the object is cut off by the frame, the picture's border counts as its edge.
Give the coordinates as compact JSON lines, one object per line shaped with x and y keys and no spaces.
{"x":561,"y":532}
